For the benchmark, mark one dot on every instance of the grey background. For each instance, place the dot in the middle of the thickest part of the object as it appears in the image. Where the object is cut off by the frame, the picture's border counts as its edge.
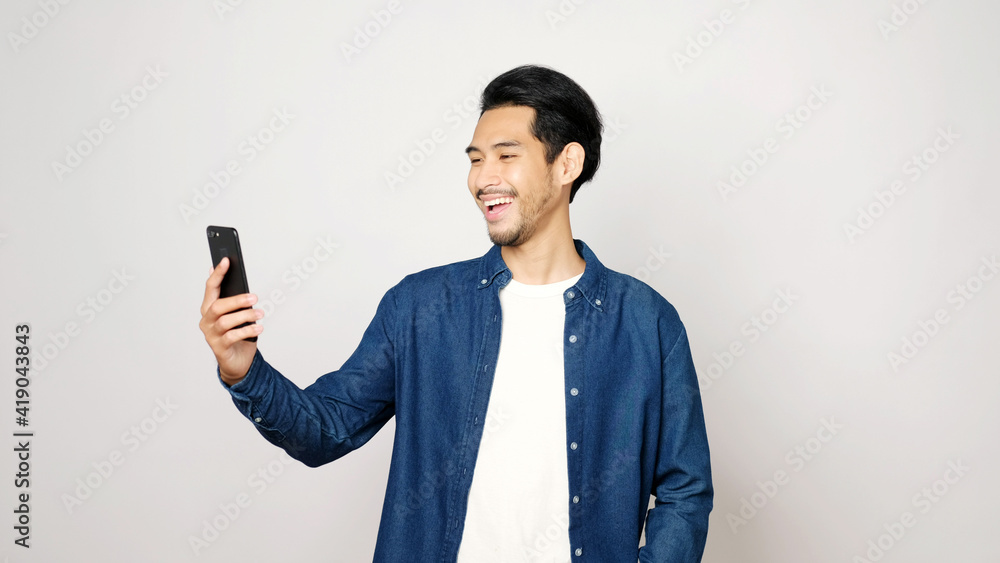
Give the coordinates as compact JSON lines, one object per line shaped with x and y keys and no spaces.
{"x":678,"y":131}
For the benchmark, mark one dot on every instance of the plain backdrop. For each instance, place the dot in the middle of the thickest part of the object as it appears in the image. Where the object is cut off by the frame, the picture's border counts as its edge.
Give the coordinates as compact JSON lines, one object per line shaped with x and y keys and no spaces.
{"x":811,"y":184}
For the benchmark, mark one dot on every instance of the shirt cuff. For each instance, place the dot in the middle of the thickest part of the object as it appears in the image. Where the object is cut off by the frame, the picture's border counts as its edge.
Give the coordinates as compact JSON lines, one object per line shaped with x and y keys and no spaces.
{"x":245,"y":386}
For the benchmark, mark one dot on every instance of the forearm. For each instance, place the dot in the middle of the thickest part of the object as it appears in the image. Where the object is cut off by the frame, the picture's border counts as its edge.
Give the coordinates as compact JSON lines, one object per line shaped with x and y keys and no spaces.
{"x":315,"y":425}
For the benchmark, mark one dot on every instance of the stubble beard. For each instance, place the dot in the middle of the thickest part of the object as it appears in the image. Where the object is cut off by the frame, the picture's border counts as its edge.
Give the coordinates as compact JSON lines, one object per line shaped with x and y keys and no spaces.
{"x":527,"y":221}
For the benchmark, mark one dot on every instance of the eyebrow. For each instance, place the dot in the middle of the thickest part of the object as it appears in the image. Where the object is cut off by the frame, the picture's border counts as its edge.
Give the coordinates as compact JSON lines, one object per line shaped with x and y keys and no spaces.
{"x":499,"y":145}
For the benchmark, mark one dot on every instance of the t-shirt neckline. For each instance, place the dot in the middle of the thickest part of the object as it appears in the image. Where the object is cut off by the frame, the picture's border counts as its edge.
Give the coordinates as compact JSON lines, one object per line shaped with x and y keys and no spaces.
{"x":543,"y":290}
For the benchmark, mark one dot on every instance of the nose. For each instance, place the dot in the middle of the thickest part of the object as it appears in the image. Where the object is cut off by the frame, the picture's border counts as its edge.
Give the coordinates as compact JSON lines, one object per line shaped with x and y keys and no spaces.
{"x":483,"y":176}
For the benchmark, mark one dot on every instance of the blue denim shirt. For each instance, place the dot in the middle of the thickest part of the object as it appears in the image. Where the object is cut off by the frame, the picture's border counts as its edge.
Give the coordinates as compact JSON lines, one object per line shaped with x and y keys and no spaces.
{"x":634,"y":420}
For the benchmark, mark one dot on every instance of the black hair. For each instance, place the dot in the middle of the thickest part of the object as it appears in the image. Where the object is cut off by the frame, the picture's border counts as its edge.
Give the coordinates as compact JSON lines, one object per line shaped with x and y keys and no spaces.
{"x":564,"y":113}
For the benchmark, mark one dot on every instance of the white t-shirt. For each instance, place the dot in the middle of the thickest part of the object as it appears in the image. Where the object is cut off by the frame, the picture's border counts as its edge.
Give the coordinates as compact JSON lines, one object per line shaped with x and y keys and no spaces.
{"x":519,"y":498}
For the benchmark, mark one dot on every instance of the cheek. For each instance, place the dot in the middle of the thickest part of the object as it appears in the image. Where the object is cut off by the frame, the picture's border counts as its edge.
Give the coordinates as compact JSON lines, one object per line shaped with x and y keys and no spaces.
{"x":516,"y":177}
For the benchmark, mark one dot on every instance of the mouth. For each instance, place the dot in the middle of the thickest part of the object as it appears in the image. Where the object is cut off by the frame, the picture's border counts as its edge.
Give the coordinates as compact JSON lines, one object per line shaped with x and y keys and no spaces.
{"x":495,"y":206}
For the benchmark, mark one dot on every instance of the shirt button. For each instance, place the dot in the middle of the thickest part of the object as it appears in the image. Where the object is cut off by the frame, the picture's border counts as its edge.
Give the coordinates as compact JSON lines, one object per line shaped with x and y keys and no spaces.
{"x":579,"y":551}
{"x":483,"y":282}
{"x":573,"y":446}
{"x":571,"y":295}
{"x":576,"y":500}
{"x":257,"y":419}
{"x":574,"y":391}
{"x":572,"y":338}
{"x":597,"y":302}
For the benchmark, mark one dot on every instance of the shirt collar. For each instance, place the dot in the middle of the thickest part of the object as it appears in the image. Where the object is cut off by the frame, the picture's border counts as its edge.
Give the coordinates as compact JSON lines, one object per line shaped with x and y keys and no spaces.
{"x":592,"y":284}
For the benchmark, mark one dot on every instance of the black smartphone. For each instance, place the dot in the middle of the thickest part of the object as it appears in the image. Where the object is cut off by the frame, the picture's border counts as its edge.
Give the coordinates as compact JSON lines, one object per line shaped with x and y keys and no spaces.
{"x":224,"y":242}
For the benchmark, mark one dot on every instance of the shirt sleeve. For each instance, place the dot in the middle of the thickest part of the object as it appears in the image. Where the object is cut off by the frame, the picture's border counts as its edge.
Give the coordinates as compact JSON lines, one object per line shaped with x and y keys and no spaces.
{"x":335,"y":415}
{"x":677,"y":526}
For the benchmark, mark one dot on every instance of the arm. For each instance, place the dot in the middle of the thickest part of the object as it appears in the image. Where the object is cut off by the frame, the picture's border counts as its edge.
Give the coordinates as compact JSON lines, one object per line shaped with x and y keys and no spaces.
{"x":677,"y":526}
{"x":335,"y":415}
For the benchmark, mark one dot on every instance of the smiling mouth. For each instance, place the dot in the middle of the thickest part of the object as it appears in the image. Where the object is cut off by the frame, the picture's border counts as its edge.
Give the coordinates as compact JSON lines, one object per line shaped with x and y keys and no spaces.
{"x":496,"y":205}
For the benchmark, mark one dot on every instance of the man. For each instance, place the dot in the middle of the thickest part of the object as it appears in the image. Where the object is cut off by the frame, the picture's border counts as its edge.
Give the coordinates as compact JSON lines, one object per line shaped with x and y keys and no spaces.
{"x":540,"y":398}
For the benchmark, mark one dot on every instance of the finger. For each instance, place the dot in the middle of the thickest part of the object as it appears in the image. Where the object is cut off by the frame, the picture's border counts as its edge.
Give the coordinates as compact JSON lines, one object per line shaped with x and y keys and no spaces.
{"x":219,"y":271}
{"x":227,"y":305}
{"x":227,"y":322}
{"x":213,"y":283}
{"x":239,"y":334}
{"x":218,"y":331}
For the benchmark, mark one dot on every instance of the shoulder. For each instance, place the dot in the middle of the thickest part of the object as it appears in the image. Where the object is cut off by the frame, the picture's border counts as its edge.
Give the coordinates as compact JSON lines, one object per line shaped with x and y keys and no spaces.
{"x":643,"y":307}
{"x":445,"y":281}
{"x":640,"y":295}
{"x":627,"y":296}
{"x":456,"y":272}
{"x":620,"y":290}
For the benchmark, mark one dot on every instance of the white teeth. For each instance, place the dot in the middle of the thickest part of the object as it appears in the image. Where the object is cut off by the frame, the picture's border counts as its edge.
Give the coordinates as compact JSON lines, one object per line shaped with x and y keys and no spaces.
{"x":498,"y":201}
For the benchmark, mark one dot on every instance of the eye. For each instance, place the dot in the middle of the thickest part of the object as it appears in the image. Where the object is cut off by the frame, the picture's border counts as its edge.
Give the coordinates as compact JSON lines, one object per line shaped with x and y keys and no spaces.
{"x":475,"y":160}
{"x":507,"y":156}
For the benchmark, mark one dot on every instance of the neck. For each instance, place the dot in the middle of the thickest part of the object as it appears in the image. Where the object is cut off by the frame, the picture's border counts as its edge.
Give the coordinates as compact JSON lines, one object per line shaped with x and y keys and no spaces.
{"x":548,"y":257}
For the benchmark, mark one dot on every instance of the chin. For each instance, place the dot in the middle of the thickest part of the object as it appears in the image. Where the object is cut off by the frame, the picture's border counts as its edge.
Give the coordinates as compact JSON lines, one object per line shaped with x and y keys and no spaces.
{"x":508,"y":238}
{"x":504,"y":238}
{"x":503,"y":241}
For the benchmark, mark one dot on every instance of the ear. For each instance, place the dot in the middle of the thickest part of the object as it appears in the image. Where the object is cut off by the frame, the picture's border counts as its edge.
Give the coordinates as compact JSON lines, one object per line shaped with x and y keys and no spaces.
{"x":569,"y":164}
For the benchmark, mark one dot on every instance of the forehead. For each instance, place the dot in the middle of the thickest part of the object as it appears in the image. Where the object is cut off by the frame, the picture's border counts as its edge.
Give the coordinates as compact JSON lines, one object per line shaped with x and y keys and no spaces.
{"x":503,"y":124}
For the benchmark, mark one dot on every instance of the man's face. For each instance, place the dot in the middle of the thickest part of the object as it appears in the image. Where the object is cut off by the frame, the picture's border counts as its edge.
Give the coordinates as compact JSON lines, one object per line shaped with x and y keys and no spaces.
{"x":509,"y":178}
